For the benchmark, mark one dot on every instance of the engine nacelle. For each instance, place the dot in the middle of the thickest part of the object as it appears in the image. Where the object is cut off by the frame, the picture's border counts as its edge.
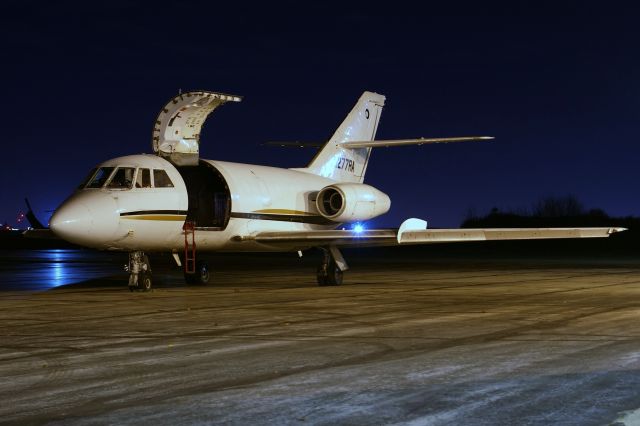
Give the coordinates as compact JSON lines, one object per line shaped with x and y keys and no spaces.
{"x":351,"y":202}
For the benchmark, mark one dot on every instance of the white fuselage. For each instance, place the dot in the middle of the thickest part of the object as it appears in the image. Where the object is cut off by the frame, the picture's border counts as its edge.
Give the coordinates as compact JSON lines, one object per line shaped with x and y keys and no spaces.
{"x":252,"y":199}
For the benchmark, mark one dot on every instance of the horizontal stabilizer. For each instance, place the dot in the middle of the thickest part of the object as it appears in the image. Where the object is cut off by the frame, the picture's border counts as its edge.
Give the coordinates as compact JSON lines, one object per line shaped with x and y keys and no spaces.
{"x":403,"y":142}
{"x":379,"y":143}
{"x":294,"y":144}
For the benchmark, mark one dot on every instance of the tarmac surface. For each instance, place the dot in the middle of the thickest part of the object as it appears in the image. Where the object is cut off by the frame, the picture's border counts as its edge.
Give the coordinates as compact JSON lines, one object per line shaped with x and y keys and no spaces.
{"x":403,"y":341}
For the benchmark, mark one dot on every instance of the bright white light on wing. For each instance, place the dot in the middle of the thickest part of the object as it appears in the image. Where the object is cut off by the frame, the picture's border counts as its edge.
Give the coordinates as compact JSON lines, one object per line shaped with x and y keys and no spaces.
{"x":358,"y":228}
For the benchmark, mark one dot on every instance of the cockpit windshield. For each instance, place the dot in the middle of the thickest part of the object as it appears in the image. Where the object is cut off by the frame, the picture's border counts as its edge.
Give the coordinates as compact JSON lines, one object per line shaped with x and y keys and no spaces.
{"x":122,"y":178}
{"x":161,"y":179}
{"x":100,"y":177}
{"x":86,"y":180}
{"x":144,"y":179}
{"x":125,"y":178}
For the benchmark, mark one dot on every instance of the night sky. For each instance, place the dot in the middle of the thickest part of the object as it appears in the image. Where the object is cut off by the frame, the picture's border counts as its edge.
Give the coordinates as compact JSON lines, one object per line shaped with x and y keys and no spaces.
{"x":558,"y":86}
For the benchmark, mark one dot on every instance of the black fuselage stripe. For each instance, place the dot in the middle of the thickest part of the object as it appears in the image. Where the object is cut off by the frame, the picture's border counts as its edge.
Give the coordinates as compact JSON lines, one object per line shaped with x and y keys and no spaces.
{"x":145,"y":212}
{"x":317,"y":220}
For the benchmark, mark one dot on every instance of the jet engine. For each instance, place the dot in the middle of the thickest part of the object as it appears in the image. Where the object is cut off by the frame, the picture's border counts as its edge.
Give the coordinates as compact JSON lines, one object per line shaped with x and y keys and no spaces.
{"x":351,"y":202}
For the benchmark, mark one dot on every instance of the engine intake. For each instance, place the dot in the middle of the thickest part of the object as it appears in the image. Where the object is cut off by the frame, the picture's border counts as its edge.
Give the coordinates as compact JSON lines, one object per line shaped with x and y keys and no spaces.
{"x":351,"y":202}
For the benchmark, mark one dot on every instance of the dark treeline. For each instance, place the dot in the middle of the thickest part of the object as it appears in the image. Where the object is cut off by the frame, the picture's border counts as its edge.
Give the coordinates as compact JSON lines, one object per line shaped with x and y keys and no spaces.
{"x":549,"y":212}
{"x":562,"y":212}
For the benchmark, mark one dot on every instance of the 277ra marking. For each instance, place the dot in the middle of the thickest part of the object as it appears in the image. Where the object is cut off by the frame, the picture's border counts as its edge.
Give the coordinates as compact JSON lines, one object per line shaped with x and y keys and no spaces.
{"x":346,"y":164}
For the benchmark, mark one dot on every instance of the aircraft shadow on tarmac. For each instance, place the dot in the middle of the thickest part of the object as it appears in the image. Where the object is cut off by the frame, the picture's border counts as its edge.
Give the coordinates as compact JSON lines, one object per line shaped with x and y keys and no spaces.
{"x":84,"y":269}
{"x":371,"y":266}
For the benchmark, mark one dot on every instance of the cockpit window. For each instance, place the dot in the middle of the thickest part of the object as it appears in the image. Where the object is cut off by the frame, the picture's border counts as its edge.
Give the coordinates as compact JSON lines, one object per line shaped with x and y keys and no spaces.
{"x":122,"y":178}
{"x":100,"y":177}
{"x":86,"y":180}
{"x":144,"y":178}
{"x":161,"y":179}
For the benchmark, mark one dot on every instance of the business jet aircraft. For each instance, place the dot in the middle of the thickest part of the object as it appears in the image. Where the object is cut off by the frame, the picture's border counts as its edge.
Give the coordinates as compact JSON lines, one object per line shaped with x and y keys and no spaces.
{"x":174,"y":201}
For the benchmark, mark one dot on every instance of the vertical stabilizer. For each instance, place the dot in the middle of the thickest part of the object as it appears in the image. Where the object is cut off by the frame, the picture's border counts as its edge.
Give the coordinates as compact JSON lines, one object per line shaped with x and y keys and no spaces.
{"x":350,"y":164}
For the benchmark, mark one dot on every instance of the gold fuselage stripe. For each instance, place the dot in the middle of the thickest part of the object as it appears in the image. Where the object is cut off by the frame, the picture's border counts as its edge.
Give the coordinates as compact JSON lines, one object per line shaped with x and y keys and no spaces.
{"x":171,"y":218}
{"x":283,"y":211}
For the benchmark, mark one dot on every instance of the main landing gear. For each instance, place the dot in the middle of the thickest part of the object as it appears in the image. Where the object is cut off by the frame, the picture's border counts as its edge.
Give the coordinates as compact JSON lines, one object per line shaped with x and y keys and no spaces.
{"x":330,"y":271}
{"x":139,"y":270}
{"x":331,"y":268}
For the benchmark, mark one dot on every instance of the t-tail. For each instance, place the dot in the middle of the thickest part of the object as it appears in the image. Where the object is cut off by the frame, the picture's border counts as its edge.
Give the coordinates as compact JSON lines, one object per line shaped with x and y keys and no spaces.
{"x":344,"y":164}
{"x":345,"y":157}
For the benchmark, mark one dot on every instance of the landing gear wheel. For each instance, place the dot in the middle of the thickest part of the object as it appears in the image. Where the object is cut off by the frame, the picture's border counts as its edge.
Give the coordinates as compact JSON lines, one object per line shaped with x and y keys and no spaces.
{"x":144,"y":282}
{"x":329,"y":274}
{"x":335,"y":275}
{"x":322,"y":274}
{"x":201,"y":275}
{"x":139,"y":270}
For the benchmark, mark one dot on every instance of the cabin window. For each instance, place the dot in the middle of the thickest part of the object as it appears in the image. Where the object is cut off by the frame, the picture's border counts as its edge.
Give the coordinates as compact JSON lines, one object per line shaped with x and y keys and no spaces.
{"x":122,"y":178}
{"x":161,"y":179}
{"x":86,"y":180}
{"x":144,"y":178}
{"x":100,"y":177}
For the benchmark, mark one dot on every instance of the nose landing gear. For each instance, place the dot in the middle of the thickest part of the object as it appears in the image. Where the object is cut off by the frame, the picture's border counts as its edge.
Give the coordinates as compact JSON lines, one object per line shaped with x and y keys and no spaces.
{"x":139,"y":270}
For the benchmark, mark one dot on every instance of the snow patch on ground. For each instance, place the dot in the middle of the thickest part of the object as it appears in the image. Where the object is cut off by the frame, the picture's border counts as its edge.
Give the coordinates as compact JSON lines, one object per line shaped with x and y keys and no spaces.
{"x":629,"y":418}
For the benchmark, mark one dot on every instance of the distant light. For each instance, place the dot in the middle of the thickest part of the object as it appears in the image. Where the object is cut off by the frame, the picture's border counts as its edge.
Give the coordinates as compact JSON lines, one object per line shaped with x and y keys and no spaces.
{"x":358,"y":228}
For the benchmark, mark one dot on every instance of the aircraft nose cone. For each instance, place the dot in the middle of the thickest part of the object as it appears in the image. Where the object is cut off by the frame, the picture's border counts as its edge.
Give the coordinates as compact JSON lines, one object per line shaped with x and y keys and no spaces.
{"x":71,"y":222}
{"x":86,"y":219}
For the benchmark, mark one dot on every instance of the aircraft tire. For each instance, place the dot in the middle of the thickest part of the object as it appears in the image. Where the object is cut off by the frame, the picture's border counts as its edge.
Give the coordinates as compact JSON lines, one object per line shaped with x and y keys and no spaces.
{"x":329,"y":274}
{"x":322,"y":275}
{"x":144,"y":282}
{"x":334,"y":276}
{"x":202,"y":273}
{"x":201,"y":276}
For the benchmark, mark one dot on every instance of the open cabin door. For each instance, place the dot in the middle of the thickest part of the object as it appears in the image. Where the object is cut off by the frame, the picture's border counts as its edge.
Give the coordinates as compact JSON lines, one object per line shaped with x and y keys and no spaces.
{"x":209,"y":196}
{"x":176,"y":132}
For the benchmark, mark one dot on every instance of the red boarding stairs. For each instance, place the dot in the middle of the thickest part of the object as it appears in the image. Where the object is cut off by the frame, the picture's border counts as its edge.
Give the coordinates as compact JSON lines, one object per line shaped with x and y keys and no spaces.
{"x":189,"y":229}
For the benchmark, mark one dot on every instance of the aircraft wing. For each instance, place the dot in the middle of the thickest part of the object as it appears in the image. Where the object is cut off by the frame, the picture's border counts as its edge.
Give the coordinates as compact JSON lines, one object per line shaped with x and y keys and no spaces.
{"x":340,"y":238}
{"x":494,"y":234}
{"x":413,"y":232}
